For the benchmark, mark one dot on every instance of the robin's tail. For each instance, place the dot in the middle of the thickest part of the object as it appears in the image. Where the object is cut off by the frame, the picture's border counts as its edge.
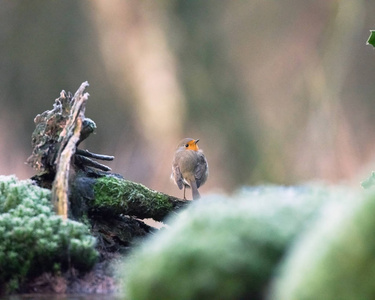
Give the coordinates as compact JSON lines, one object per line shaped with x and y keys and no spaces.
{"x":194,"y":190}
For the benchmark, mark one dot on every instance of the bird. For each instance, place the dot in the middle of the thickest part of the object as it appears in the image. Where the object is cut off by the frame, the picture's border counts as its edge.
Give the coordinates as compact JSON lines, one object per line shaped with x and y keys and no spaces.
{"x":189,"y":166}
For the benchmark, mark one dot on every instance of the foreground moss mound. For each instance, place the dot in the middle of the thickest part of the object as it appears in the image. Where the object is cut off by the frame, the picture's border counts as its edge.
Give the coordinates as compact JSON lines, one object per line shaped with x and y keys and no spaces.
{"x":336,"y":258}
{"x":221,"y":248}
{"x":33,"y":239}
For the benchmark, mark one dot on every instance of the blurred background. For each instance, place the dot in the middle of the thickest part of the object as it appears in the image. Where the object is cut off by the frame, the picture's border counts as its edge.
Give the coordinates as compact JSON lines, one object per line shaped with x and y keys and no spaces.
{"x":276,"y":91}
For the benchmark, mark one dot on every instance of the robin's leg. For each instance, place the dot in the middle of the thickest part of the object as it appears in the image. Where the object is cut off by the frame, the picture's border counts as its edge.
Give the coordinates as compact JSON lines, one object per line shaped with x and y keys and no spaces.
{"x":184,"y":192}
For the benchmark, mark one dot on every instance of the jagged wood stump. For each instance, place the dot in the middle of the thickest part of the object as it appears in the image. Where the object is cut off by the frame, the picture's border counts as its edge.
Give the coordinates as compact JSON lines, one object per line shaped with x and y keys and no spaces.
{"x":84,"y":189}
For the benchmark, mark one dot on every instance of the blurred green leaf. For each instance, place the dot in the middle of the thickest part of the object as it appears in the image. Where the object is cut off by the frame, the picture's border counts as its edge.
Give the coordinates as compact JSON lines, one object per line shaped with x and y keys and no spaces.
{"x":371,"y":39}
{"x":369,"y":182}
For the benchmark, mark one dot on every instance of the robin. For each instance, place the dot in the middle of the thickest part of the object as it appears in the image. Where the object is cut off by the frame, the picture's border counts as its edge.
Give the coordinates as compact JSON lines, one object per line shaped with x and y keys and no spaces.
{"x":189,"y":166}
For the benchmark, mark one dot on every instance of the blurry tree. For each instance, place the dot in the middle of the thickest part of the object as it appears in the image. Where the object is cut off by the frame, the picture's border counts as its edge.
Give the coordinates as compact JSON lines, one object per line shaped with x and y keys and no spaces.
{"x":46,"y":47}
{"x":135,"y":49}
{"x":276,"y":91}
{"x":218,"y":109}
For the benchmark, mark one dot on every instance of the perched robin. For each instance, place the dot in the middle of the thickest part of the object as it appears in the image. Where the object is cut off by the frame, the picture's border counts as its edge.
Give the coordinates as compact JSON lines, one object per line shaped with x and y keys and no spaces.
{"x":189,"y":166}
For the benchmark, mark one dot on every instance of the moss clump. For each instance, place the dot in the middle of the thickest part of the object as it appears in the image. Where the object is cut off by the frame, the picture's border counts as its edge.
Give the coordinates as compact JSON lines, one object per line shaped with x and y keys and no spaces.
{"x":125,"y":197}
{"x":222,"y":248}
{"x":336,"y":258}
{"x":33,"y":239}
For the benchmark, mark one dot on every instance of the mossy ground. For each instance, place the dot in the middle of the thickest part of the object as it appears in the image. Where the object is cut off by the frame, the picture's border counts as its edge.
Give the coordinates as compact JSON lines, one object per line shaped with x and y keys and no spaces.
{"x":335,"y":259}
{"x":298,"y":243}
{"x":223,"y":248}
{"x":33,"y":239}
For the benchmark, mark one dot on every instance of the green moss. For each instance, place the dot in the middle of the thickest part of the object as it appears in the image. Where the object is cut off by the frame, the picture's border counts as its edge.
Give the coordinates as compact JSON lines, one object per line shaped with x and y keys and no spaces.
{"x":127,"y":197}
{"x":223,"y":248}
{"x":33,"y":239}
{"x":336,"y":258}
{"x":110,"y":191}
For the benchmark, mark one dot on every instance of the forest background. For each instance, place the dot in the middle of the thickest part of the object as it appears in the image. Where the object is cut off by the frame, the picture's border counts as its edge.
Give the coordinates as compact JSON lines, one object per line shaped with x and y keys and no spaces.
{"x":276,"y":91}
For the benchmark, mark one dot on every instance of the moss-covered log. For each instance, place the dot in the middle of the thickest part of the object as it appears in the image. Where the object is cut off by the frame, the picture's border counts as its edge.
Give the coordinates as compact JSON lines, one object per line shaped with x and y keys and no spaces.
{"x":91,"y":188}
{"x":113,"y":195}
{"x":122,"y":196}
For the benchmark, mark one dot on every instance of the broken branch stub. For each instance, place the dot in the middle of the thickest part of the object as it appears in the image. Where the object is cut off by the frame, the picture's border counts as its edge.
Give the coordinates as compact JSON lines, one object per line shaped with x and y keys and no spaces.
{"x":54,"y":140}
{"x":68,"y":138}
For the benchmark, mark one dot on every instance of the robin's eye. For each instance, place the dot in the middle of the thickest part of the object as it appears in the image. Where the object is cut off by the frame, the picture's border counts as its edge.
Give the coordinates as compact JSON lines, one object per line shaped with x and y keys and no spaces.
{"x":187,"y":145}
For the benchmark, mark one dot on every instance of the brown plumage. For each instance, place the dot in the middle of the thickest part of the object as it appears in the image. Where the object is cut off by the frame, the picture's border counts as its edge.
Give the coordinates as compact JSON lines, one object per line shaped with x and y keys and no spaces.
{"x":189,"y":166}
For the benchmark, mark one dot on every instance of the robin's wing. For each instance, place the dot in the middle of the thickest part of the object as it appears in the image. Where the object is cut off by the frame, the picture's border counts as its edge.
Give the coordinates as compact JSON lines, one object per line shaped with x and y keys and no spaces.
{"x":201,"y":170}
{"x":177,"y":176}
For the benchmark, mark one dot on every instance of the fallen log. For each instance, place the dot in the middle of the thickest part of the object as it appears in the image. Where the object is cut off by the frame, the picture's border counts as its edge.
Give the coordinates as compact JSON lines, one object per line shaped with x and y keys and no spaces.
{"x":84,"y":189}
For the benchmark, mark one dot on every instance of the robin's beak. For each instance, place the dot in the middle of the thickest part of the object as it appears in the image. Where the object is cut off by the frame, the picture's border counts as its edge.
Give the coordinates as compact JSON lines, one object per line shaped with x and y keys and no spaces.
{"x":196,"y":141}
